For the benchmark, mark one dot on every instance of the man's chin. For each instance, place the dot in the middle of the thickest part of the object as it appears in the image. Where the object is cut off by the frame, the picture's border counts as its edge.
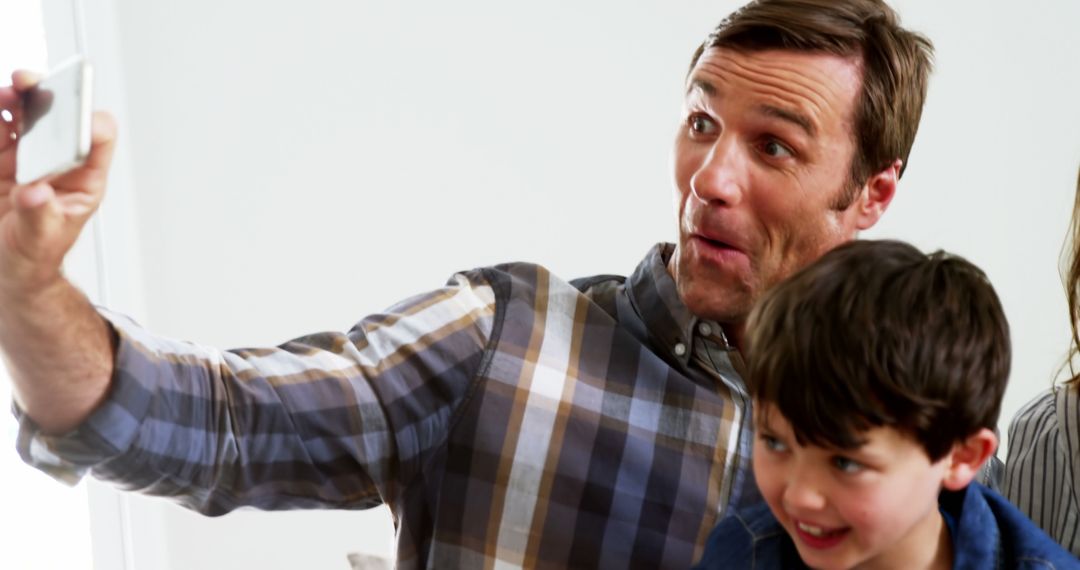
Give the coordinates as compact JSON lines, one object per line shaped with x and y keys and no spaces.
{"x":717,"y":304}
{"x":709,"y":291}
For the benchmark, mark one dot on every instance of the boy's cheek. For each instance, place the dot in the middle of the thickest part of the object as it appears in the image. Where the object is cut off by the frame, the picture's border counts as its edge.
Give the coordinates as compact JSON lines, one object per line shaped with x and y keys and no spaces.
{"x":769,"y":479}
{"x":762,"y":469}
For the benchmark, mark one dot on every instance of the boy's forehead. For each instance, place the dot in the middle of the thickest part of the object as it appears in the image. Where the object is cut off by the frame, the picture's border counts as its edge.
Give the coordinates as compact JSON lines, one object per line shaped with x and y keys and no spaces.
{"x":768,"y":416}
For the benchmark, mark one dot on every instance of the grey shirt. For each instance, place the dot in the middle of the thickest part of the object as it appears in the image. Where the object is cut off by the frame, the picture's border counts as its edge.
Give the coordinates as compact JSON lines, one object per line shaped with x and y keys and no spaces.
{"x":1042,"y":470}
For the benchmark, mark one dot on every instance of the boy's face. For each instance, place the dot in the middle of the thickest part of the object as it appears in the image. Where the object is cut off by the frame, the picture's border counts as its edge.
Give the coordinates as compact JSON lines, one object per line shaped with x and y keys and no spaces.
{"x":871,"y":505}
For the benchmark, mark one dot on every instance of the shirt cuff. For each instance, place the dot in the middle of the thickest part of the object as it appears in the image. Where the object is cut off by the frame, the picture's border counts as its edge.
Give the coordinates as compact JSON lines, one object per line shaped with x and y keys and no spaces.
{"x":111,"y":429}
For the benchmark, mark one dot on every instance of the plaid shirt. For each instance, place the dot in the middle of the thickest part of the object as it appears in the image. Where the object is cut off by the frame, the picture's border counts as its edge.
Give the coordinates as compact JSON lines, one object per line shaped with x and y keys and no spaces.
{"x":509,"y":419}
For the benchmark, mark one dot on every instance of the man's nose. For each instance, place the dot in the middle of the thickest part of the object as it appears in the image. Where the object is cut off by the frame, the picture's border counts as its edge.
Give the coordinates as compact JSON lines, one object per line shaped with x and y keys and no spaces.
{"x":721,"y":177}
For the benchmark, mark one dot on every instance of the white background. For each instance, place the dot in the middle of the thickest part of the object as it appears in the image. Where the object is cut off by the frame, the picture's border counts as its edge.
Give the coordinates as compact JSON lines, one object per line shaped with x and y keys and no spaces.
{"x":289,"y":167}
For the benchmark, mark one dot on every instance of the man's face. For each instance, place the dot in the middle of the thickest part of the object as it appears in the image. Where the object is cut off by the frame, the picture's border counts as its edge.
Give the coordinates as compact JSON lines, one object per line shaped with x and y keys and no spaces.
{"x":761,"y":160}
{"x":875,"y":505}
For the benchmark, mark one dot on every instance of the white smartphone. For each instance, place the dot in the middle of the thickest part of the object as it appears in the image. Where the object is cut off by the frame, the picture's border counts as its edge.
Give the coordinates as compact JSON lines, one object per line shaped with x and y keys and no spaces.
{"x":55,"y":131}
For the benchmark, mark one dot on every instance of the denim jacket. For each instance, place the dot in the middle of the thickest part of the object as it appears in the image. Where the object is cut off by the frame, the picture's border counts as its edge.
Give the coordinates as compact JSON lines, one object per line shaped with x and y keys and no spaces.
{"x":988,"y":533}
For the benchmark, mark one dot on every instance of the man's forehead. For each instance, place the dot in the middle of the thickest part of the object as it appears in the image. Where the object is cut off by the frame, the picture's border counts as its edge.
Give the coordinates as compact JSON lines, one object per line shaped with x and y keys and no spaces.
{"x":778,"y":59}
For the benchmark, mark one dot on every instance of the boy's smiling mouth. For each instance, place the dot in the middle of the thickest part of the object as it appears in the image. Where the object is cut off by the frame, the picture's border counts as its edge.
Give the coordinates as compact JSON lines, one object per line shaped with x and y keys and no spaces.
{"x":818,"y":536}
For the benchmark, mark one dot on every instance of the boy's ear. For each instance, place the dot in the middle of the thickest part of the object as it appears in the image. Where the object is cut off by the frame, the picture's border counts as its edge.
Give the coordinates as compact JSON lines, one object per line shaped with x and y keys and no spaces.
{"x":967,"y":457}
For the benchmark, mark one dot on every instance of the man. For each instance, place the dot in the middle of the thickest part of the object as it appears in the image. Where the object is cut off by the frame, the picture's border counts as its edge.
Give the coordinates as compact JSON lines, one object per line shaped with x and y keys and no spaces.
{"x":510,"y":418}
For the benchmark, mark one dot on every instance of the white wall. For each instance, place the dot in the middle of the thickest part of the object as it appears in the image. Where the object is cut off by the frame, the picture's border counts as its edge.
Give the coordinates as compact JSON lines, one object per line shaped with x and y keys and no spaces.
{"x":298,"y":165}
{"x":993,"y":171}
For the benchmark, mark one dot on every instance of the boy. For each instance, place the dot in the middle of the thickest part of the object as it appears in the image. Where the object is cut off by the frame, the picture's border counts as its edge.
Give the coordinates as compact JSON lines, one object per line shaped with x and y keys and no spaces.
{"x":877,"y":375}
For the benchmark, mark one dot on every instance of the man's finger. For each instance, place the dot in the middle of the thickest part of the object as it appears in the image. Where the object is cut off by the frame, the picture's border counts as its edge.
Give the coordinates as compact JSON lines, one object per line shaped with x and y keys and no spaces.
{"x":7,"y":163}
{"x":79,"y":191}
{"x":9,"y":98}
{"x":32,"y":196}
{"x":24,"y":79}
{"x":7,"y":138}
{"x":103,"y":141}
{"x":9,"y":116}
{"x":6,"y":188}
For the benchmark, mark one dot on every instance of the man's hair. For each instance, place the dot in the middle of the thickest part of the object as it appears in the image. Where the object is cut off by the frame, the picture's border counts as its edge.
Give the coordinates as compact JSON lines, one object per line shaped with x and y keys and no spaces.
{"x":877,"y":334}
{"x":895,"y":62}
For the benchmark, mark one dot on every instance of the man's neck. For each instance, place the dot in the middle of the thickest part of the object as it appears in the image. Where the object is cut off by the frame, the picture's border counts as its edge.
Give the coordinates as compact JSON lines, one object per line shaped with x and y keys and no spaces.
{"x":734,"y":332}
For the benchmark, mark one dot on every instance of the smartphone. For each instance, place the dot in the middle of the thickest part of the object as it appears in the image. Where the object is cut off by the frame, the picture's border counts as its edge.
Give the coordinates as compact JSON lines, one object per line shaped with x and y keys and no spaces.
{"x":55,"y":132}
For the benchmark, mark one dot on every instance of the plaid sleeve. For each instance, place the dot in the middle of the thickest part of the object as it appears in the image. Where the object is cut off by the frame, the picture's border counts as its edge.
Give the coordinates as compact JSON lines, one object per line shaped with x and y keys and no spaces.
{"x":331,"y":420}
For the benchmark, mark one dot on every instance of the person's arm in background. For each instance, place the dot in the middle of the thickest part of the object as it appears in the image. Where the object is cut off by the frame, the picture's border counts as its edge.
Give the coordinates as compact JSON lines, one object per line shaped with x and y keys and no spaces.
{"x":58,"y":350}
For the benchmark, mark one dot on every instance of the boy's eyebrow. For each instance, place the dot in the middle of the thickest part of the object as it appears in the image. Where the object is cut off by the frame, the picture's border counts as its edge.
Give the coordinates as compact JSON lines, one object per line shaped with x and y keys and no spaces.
{"x":860,"y":452}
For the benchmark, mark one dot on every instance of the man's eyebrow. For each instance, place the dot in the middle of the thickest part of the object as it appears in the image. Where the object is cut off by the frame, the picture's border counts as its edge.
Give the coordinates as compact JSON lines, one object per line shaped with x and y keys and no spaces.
{"x":799,"y":119}
{"x":701,"y":85}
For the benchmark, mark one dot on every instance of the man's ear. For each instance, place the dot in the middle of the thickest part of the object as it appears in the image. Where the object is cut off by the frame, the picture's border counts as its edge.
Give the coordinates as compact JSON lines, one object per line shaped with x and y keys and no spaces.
{"x":967,"y":457}
{"x":876,"y":195}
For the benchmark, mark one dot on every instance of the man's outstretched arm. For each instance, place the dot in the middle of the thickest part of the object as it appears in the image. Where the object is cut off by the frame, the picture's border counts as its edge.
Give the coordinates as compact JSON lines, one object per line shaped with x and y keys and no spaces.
{"x":332,"y":419}
{"x":57,"y":349}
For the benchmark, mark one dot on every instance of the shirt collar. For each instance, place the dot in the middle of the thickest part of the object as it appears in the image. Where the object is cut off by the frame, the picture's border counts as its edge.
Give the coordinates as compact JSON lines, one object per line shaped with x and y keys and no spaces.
{"x":656,"y":299}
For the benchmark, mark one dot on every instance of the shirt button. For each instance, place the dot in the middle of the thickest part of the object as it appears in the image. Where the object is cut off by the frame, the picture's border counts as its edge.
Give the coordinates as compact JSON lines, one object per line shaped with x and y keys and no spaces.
{"x":680,"y":349}
{"x":704,"y":329}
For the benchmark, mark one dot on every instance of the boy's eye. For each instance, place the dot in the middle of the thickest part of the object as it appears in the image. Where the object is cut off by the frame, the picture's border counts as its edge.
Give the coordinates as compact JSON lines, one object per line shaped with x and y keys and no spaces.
{"x":847,"y":465}
{"x":773,"y":444}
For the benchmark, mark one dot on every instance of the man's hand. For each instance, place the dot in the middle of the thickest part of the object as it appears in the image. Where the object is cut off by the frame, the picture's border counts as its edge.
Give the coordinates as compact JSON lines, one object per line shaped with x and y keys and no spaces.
{"x":58,"y":350}
{"x":40,"y":221}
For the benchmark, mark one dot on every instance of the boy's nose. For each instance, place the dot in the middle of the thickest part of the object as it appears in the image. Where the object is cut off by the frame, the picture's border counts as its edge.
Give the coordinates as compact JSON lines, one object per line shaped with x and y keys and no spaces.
{"x":802,"y":495}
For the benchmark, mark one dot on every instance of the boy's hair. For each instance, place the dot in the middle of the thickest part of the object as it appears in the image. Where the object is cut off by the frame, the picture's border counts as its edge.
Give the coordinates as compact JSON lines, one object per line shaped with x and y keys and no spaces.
{"x":877,"y":334}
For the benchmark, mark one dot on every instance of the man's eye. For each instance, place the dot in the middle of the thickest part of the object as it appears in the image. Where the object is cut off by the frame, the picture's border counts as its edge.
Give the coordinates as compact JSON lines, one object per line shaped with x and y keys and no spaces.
{"x":847,"y":465}
{"x":776,"y":150}
{"x":701,"y":124}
